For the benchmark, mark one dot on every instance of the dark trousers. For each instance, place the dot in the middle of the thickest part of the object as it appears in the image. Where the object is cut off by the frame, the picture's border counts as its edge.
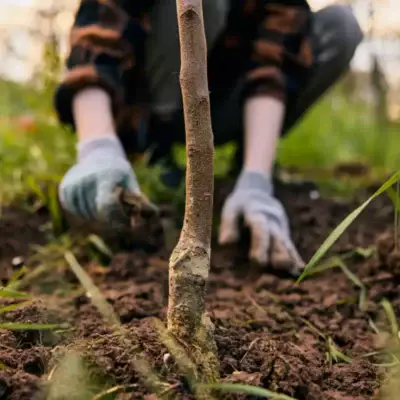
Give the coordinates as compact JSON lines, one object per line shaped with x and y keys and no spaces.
{"x":336,"y":35}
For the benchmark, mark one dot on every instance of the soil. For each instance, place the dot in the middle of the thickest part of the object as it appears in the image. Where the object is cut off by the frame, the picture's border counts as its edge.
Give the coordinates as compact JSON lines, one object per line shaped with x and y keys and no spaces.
{"x":270,"y":331}
{"x":19,"y":230}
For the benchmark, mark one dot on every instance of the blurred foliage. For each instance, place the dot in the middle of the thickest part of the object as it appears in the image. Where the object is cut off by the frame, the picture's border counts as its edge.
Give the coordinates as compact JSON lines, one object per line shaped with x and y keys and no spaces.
{"x":35,"y":151}
{"x":339,"y":131}
{"x":222,"y":158}
{"x":31,"y":150}
{"x":35,"y":148}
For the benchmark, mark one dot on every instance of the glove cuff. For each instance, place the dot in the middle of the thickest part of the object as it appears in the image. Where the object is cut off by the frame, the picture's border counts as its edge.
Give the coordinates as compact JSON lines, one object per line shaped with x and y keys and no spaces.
{"x":249,"y":180}
{"x":110,"y":145}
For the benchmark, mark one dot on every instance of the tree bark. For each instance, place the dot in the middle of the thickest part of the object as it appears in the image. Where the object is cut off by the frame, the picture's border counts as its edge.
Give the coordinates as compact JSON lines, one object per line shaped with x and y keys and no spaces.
{"x":190,"y":260}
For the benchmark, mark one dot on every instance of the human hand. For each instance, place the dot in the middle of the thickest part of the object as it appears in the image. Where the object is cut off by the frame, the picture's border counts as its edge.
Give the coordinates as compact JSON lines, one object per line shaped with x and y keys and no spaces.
{"x":89,"y":189}
{"x":264,"y":215}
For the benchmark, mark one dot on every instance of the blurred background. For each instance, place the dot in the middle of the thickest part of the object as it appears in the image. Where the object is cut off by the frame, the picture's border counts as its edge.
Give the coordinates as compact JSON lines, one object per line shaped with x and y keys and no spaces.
{"x":350,"y":138}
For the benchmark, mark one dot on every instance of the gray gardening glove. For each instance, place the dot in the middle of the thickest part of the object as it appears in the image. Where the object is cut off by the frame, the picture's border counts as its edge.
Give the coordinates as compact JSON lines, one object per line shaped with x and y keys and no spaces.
{"x":264,"y":215}
{"x":89,"y":188}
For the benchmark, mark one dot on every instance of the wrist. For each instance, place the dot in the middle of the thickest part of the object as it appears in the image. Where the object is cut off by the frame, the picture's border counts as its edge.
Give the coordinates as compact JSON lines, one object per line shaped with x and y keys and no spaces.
{"x":93,"y":113}
{"x":251,"y":180}
{"x":105,"y":145}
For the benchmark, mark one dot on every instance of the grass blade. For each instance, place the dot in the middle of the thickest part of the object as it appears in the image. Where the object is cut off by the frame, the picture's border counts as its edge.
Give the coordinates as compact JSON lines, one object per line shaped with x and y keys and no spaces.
{"x":36,"y":189}
{"x":393,"y":195}
{"x":341,"y":228}
{"x":250,"y":390}
{"x":15,"y":277}
{"x":16,"y":326}
{"x":365,"y":252}
{"x":54,"y":208}
{"x":187,"y":368}
{"x":330,"y":263}
{"x":387,"y":306}
{"x":98,"y":242}
{"x":70,"y":378}
{"x":13,"y":307}
{"x":356,"y":281}
{"x":313,"y":328}
{"x":336,"y":354}
{"x":373,"y":326}
{"x":337,"y":262}
{"x":13,"y":294}
{"x":92,"y":290}
{"x":140,"y":364}
{"x":29,"y":277}
{"x":333,"y":353}
{"x":333,"y":237}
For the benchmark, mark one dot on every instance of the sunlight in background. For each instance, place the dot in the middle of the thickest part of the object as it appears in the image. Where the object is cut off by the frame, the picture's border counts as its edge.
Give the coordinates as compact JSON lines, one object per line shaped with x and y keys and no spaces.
{"x":18,"y":19}
{"x":18,"y":3}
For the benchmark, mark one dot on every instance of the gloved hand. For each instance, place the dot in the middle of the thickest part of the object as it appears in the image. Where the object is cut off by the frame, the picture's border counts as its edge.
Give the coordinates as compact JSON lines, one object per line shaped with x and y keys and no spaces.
{"x":88,"y":188}
{"x":264,"y":215}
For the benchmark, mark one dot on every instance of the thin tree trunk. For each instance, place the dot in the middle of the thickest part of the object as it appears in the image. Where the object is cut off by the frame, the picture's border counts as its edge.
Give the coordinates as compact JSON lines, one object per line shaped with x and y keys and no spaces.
{"x":380,"y":88}
{"x":190,"y":260}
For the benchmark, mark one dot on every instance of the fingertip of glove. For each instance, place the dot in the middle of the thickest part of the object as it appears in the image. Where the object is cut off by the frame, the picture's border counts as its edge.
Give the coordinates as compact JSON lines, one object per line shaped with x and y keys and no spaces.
{"x":290,"y":266}
{"x":298,"y":268}
{"x":225,"y":238}
{"x":259,"y":259}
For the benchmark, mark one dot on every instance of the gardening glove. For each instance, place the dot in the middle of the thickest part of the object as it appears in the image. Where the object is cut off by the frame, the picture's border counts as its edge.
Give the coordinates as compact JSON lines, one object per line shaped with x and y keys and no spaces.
{"x":89,"y":189}
{"x":266,"y":219}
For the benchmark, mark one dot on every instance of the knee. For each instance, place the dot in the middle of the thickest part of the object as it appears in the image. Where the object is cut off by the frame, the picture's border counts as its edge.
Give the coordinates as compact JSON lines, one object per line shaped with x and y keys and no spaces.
{"x":342,"y":27}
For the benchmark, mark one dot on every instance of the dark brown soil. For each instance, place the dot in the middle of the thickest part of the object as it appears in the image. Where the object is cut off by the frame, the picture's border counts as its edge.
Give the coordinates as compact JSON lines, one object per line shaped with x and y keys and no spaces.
{"x":266,"y":324}
{"x":19,"y":230}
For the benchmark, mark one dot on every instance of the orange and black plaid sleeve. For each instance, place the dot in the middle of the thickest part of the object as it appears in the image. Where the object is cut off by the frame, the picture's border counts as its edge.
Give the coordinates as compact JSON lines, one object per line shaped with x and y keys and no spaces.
{"x":107,"y":50}
{"x":267,"y":41}
{"x":281,"y":54}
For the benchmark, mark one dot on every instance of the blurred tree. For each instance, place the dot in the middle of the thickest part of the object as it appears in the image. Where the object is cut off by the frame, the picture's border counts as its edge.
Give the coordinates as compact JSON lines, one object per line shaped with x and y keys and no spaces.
{"x":378,"y":79}
{"x":380,"y":90}
{"x":48,"y":72}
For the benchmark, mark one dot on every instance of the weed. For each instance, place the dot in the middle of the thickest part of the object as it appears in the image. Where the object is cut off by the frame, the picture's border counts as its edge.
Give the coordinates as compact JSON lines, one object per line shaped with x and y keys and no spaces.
{"x":10,"y":293}
{"x":342,"y":227}
{"x":339,"y":262}
{"x":247,"y":389}
{"x":98,"y":242}
{"x":13,"y":294}
{"x":113,"y":390}
{"x":333,"y":354}
{"x":390,"y":385}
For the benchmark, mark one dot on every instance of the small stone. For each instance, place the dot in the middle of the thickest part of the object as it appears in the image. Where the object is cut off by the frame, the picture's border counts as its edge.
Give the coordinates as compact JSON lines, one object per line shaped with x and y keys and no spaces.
{"x":314,"y":195}
{"x":17,"y":262}
{"x":167,"y":359}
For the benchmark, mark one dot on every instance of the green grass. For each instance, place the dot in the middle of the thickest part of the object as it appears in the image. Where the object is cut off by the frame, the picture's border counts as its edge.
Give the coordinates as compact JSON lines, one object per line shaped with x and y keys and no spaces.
{"x":339,"y":131}
{"x":343,"y":226}
{"x":30,"y":160}
{"x":336,"y":131}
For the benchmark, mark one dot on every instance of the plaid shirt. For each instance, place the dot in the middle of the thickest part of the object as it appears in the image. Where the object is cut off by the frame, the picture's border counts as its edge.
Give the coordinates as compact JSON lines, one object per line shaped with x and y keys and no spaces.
{"x":265,"y":41}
